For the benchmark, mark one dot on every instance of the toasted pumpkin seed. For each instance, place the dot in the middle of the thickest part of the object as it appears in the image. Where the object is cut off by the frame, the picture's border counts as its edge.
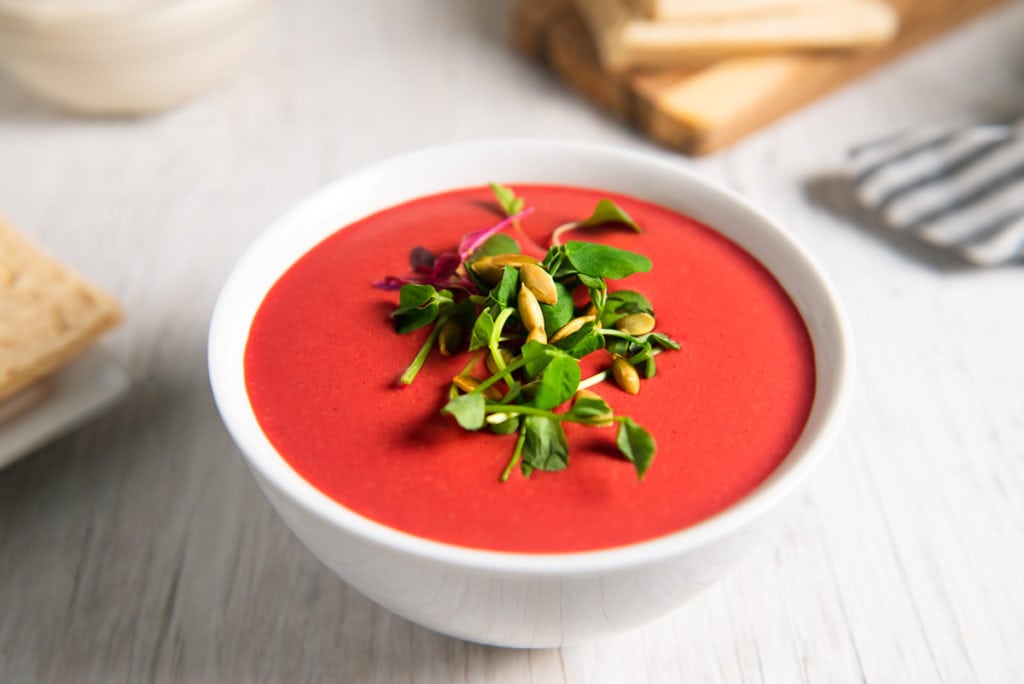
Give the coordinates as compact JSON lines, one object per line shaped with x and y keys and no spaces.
{"x":571,"y":327}
{"x":452,"y":337}
{"x":625,"y":375}
{"x":537,"y":335}
{"x":529,"y":310}
{"x":540,"y":283}
{"x":467,"y":383}
{"x":487,"y":270}
{"x":636,"y":324}
{"x":587,"y":394}
{"x":510,"y":259}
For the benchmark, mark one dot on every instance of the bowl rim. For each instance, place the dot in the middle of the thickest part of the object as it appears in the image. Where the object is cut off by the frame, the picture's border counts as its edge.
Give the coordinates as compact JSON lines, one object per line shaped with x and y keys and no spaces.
{"x":227,"y":340}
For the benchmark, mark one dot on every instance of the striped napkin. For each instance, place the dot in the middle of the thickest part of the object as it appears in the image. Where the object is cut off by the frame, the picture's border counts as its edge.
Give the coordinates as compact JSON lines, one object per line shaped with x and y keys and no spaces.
{"x":960,"y":189}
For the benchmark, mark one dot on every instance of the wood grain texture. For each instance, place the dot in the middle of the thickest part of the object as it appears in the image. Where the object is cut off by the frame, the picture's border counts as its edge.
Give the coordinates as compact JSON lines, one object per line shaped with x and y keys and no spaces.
{"x":139,"y":549}
{"x":701,"y":110}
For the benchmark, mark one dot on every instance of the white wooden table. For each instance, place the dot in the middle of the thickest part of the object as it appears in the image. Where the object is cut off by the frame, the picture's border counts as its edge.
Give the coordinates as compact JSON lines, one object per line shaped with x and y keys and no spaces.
{"x":139,"y":548}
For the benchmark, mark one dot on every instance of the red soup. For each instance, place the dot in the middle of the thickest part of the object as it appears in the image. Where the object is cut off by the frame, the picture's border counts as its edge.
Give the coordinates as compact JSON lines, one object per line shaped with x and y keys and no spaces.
{"x":323,"y":358}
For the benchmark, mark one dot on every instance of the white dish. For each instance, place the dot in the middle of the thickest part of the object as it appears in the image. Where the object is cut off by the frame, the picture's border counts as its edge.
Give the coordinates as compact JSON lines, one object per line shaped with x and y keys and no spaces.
{"x":519,"y":599}
{"x":126,"y":56}
{"x":71,"y":395}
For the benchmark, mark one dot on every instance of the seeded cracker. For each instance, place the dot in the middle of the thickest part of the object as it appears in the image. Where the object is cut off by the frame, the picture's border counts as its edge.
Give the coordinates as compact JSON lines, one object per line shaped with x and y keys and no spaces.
{"x":48,"y":315}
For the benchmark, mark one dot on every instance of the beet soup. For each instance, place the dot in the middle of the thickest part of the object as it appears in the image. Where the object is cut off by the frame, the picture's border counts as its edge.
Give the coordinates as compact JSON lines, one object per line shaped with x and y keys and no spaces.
{"x":322,"y":360}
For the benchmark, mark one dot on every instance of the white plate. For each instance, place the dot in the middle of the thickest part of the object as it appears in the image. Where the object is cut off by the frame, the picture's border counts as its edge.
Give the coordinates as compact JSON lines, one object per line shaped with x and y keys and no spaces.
{"x":74,"y":394}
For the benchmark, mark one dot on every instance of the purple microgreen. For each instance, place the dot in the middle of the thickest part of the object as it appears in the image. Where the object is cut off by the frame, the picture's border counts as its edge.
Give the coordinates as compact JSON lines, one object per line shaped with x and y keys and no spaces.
{"x":471,"y":242}
{"x":446,"y":265}
{"x":421,"y":259}
{"x":391,"y":283}
{"x":442,"y":272}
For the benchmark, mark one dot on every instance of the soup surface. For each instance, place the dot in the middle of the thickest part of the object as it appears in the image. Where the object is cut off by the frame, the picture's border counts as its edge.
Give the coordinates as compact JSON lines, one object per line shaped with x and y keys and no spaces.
{"x":323,"y":358}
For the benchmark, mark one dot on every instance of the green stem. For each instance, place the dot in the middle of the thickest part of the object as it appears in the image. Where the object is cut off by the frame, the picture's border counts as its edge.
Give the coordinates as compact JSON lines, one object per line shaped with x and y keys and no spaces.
{"x":516,"y":455}
{"x":495,"y":340}
{"x":533,"y":411}
{"x":618,"y":333}
{"x":469,"y":366}
{"x":508,"y":370}
{"x":520,"y":410}
{"x":421,"y":356}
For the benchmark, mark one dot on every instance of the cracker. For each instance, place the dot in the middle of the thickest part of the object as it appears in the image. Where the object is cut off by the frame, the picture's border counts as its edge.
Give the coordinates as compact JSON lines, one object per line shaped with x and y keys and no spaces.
{"x":702,"y":9}
{"x":626,"y":40}
{"x":48,"y":314}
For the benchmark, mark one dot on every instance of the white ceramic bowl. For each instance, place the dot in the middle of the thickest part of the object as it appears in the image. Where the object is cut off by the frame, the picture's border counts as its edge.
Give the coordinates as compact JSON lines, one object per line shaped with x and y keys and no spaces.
{"x":126,"y":56}
{"x":511,"y":599}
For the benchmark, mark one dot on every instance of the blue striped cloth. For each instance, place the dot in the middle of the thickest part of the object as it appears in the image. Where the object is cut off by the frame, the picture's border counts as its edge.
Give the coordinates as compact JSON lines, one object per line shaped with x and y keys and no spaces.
{"x":960,"y":189}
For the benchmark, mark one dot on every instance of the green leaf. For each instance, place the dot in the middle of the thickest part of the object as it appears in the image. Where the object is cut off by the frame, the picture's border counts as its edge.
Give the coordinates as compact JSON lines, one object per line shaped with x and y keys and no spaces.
{"x":558,"y":382}
{"x":645,"y":359}
{"x":505,"y":291}
{"x":589,"y":411}
{"x":602,"y":261}
{"x":467,"y":409}
{"x":536,"y":357}
{"x":510,"y":203}
{"x":556,"y":263}
{"x":598,"y":290}
{"x":607,"y":211}
{"x":545,"y":446}
{"x":636,"y":444}
{"x":663,"y":341}
{"x":482,"y":329}
{"x":558,"y":314}
{"x":582,"y":342}
{"x":618,"y":346}
{"x":495,"y":245}
{"x":622,"y":303}
{"x":418,"y":305}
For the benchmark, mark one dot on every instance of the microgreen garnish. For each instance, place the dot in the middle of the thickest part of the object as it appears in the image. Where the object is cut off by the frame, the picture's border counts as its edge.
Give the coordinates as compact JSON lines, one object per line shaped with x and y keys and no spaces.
{"x":606,"y":212}
{"x":517,"y":313}
{"x":510,"y":203}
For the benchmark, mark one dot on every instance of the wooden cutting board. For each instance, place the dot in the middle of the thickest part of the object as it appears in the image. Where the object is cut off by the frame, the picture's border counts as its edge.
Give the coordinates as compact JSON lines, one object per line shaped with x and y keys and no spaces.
{"x":697,"y":111}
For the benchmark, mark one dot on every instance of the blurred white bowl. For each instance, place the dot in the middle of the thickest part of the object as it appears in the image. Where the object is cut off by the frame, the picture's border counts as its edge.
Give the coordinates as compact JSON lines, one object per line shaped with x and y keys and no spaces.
{"x":525,"y":599}
{"x":126,"y":56}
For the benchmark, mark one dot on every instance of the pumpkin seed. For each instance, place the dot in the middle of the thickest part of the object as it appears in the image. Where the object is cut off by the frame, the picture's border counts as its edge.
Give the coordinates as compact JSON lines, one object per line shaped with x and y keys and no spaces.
{"x":636,"y":324}
{"x":452,"y":338}
{"x":587,"y":394}
{"x":529,"y":310}
{"x":467,"y":383}
{"x":540,"y":283}
{"x":571,"y":327}
{"x":625,"y":375}
{"x":502,"y":260}
{"x":487,"y":270}
{"x":537,"y":335}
